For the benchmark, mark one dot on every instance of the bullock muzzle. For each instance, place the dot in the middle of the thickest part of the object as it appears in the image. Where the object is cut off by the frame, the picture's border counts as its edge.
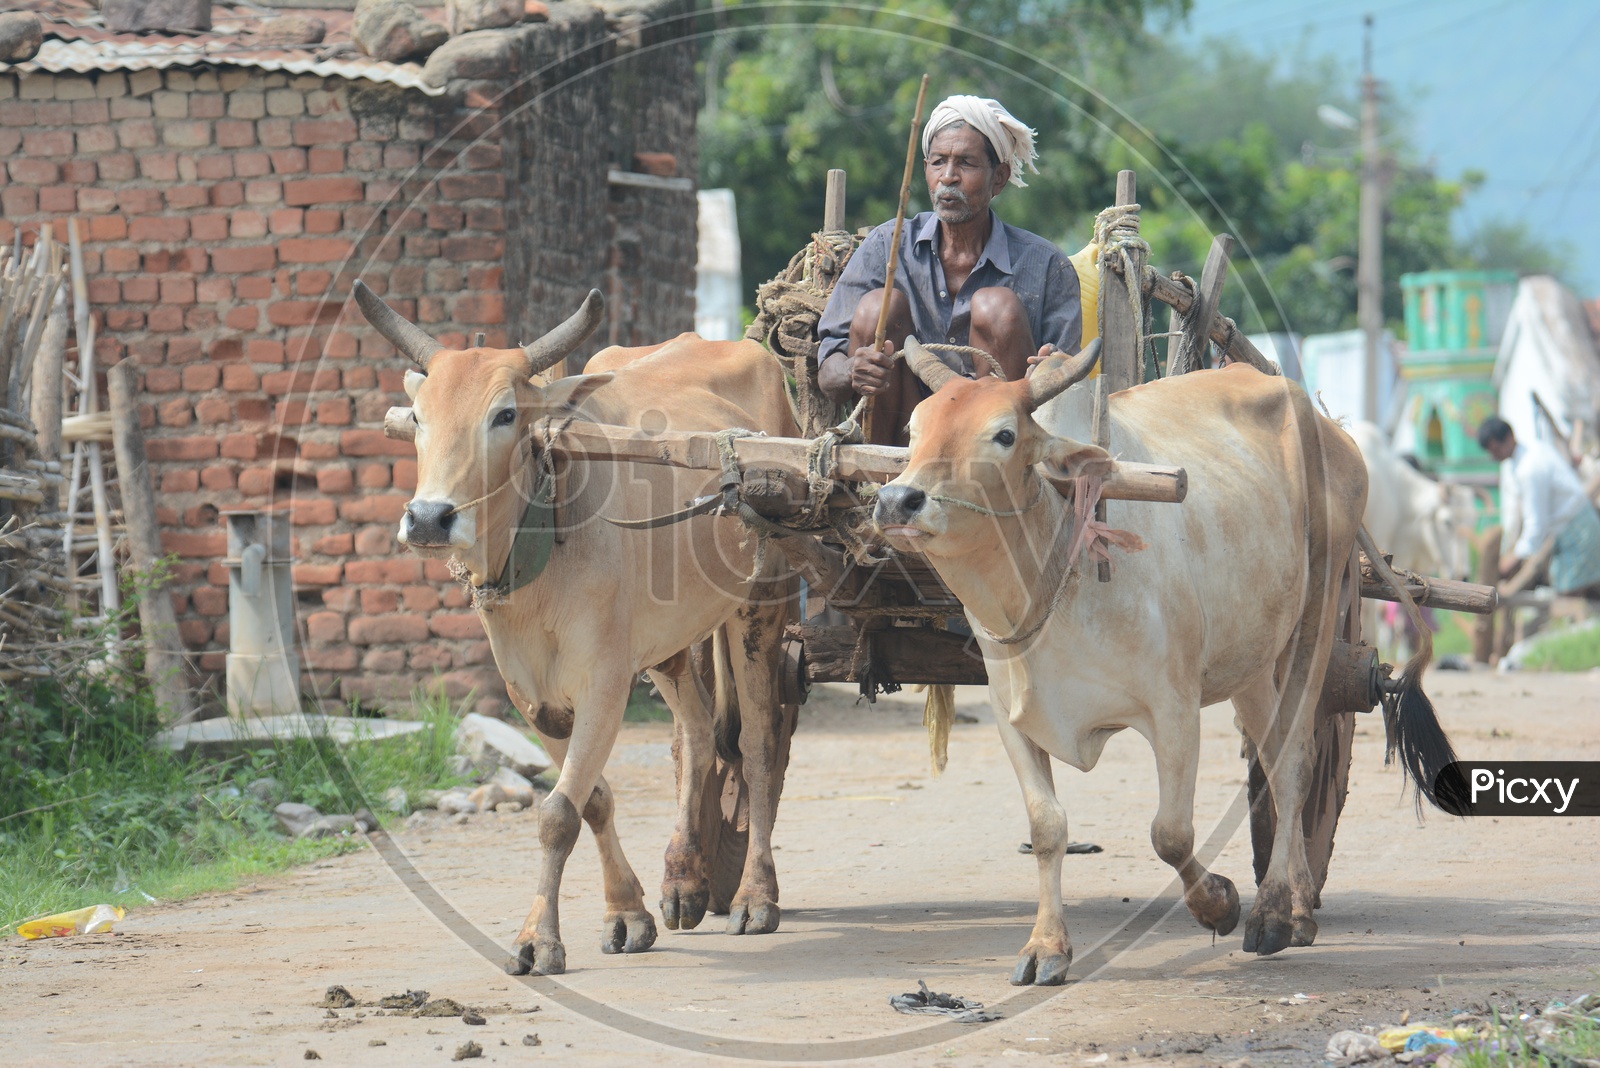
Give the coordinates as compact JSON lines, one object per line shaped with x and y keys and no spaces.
{"x":897,"y":509}
{"x":429,"y":525}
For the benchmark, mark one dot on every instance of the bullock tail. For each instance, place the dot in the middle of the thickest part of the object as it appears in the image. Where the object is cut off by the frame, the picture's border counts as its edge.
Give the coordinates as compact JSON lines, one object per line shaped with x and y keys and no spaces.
{"x":1411,"y":727}
{"x":725,"y":699}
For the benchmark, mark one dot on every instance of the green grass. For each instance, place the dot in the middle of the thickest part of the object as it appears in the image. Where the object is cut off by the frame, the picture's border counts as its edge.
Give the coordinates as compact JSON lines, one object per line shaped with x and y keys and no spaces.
{"x":645,"y":706}
{"x":1568,"y":649}
{"x":89,"y":813}
{"x":1574,"y":1042}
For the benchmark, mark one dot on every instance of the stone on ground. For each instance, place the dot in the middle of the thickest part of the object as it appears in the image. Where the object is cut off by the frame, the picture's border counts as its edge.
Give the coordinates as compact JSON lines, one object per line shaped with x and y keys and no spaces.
{"x":395,"y":31}
{"x":491,"y":744}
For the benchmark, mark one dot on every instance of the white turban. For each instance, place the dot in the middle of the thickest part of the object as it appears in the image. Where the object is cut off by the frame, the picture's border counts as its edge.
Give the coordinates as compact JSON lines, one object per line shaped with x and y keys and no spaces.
{"x":1011,"y":140}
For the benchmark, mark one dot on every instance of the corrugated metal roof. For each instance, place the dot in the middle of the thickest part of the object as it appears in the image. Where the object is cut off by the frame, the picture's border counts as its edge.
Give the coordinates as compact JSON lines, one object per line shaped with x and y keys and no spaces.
{"x":76,"y":40}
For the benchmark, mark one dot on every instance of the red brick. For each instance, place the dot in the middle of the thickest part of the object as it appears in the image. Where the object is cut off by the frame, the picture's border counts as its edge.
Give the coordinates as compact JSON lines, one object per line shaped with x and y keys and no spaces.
{"x":47,"y":143}
{"x":242,"y":318}
{"x":373,"y":443}
{"x":317,"y":574}
{"x":323,"y":220}
{"x":293,"y":413}
{"x":314,"y":249}
{"x":213,"y":410}
{"x":34,"y":171}
{"x":241,"y":446}
{"x":19,"y":200}
{"x":405,"y":474}
{"x":287,"y":220}
{"x":325,"y":627}
{"x":165,"y":320}
{"x":233,"y":133}
{"x":194,"y":632}
{"x":319,"y":450}
{"x":386,"y":663}
{"x":124,"y":319}
{"x":331,"y":658}
{"x":176,"y":412}
{"x":302,"y":312}
{"x":162,"y":380}
{"x":311,"y":283}
{"x":459,"y":249}
{"x":183,"y":197}
{"x":288,"y":160}
{"x":193,"y":543}
{"x":193,"y":448}
{"x":108,"y":228}
{"x":243,"y":260}
{"x":92,"y":200}
{"x":213,"y":289}
{"x":257,"y":481}
{"x":209,"y":227}
{"x":180,"y":481}
{"x":177,"y":290}
{"x":373,"y":476}
{"x":253,"y":288}
{"x":159,"y":166}
{"x":375,"y":602}
{"x":335,"y":480}
{"x":251,"y":164}
{"x":374,"y":508}
{"x":58,"y":199}
{"x":227,"y":194}
{"x":400,"y":571}
{"x":104,"y":291}
{"x":486,"y":217}
{"x":260,"y":191}
{"x":324,"y":132}
{"x":373,"y":630}
{"x":259,"y":351}
{"x":210,"y":600}
{"x":459,"y":625}
{"x":486,"y":308}
{"x":325,"y":160}
{"x":357,"y":377}
{"x":238,"y":377}
{"x":252,"y":409}
{"x":321,"y":191}
{"x":467,"y":186}
{"x":212,"y":168}
{"x":420,"y":598}
{"x":445,"y":217}
{"x":217,"y":478}
{"x":313,"y":513}
{"x":274,"y":132}
{"x":334,"y":544}
{"x":335,"y":411}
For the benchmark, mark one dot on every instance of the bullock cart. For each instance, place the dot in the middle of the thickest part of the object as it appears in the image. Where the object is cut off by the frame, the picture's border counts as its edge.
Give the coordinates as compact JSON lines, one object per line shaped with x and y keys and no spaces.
{"x":881,"y":620}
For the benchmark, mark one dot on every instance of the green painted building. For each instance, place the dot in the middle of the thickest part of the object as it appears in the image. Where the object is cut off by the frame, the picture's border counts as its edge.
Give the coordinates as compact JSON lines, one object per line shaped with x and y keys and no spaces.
{"x":1454,"y":320}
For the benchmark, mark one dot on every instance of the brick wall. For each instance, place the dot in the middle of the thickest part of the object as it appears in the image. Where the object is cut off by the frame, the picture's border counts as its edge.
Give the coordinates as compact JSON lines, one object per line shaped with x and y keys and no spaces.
{"x":226,"y":213}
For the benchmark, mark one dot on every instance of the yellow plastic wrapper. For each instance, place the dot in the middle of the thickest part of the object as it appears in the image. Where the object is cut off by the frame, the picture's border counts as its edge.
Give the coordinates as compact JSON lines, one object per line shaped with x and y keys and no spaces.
{"x":96,"y":919}
{"x":1395,"y":1038}
{"x":1086,"y":261}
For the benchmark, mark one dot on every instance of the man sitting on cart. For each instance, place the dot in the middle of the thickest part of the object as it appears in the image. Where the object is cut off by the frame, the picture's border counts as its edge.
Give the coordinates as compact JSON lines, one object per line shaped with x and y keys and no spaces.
{"x":963,"y":277}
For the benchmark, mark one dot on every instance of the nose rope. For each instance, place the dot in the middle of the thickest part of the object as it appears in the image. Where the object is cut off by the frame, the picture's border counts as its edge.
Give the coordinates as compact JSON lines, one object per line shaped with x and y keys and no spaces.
{"x":549,"y":434}
{"x":1038,"y":495}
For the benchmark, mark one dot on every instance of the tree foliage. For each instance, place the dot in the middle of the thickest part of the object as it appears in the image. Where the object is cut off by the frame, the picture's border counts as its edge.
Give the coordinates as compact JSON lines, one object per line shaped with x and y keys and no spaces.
{"x":1223,"y":139}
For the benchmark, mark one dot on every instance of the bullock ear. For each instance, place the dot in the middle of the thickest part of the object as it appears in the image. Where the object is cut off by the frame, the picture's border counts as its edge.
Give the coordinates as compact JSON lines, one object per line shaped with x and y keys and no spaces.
{"x":1064,"y":458}
{"x":413,"y":382}
{"x":565,"y":393}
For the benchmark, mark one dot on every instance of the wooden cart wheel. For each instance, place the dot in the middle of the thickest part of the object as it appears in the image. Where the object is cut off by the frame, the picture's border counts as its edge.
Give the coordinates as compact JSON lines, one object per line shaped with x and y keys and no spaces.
{"x":725,"y":818}
{"x":1335,"y":734}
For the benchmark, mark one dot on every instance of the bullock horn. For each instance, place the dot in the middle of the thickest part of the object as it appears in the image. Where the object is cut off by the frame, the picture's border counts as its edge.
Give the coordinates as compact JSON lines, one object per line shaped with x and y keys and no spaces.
{"x":933,"y":371}
{"x":1060,"y":371}
{"x":395,"y":328}
{"x":555,"y":345}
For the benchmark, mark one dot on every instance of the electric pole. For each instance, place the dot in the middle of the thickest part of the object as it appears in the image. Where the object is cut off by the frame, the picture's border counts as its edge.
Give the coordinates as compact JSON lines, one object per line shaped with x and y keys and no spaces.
{"x":1369,"y":250}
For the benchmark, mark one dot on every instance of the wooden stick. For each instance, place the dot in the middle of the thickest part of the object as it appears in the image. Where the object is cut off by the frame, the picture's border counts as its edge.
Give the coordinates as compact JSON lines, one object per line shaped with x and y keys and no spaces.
{"x":45,"y":404}
{"x":1224,"y":331}
{"x":158,"y":622}
{"x":833,"y":202}
{"x":1430,"y":592}
{"x":110,"y":597}
{"x":894,"y":246}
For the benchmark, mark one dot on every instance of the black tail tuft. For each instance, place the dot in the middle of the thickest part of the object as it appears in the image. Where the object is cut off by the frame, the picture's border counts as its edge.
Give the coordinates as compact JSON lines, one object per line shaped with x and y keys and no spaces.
{"x":1425,"y":750}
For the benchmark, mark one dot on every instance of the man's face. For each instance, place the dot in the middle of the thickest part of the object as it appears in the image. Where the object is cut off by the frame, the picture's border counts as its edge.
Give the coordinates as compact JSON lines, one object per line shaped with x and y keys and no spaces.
{"x":1501,"y":450}
{"x":961,"y":180}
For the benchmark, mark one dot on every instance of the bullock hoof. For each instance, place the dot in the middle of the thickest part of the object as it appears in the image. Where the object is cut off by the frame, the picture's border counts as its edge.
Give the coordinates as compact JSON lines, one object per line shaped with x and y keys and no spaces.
{"x":628,"y":932}
{"x":1215,"y":903}
{"x":1266,"y":936}
{"x":763,"y":919}
{"x":540,"y":958}
{"x":1034,"y":970}
{"x":683,"y":910}
{"x":1305,"y":932}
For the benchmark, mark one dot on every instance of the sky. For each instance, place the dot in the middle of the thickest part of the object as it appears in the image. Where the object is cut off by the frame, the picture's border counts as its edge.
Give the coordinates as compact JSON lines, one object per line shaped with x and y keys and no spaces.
{"x":1507,"y":87}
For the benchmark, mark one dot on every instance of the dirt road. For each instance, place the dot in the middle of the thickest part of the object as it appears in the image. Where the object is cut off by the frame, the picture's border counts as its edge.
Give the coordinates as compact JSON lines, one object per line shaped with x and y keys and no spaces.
{"x":888,"y":875}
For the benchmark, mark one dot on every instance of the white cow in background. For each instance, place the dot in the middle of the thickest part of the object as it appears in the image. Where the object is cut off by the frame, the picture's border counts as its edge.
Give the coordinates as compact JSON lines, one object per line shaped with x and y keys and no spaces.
{"x":1426,"y":525}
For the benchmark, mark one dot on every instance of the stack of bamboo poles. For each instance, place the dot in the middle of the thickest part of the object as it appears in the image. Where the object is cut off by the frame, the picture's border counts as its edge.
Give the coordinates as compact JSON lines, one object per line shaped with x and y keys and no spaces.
{"x":33,"y":336}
